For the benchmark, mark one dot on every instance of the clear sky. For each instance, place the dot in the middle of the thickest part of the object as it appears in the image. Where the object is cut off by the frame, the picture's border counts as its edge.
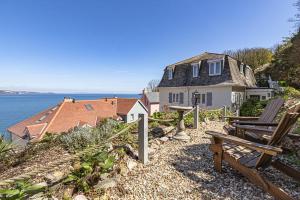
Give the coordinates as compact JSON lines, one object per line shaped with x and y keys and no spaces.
{"x":118,"y":46}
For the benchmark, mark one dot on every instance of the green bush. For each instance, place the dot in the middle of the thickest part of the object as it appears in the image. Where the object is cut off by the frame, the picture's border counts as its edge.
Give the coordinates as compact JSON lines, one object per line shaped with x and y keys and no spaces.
{"x":210,"y":114}
{"x":81,"y":138}
{"x":291,"y":92}
{"x":252,"y":107}
{"x":87,"y":171}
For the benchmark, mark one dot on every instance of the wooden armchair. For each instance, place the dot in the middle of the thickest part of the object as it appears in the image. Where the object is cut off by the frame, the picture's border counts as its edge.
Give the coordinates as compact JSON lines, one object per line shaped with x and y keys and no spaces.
{"x":261,"y":132}
{"x":267,"y":117}
{"x":246,"y":156}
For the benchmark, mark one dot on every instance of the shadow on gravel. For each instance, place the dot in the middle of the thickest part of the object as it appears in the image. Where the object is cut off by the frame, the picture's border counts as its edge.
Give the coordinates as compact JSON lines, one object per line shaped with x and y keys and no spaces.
{"x":196,"y":163}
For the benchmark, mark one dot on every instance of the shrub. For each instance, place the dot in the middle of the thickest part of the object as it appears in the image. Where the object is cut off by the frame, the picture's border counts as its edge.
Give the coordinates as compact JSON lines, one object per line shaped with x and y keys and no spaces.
{"x":5,"y":149}
{"x":83,"y":137}
{"x":87,"y":172}
{"x":210,"y":115}
{"x":291,"y":92}
{"x":252,"y":107}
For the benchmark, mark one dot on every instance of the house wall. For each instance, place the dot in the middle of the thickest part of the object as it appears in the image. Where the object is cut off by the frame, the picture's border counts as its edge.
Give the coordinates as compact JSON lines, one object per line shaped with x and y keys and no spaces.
{"x":221,"y":95}
{"x":268,"y":93}
{"x":17,"y":141}
{"x":135,"y":111}
{"x":152,"y":108}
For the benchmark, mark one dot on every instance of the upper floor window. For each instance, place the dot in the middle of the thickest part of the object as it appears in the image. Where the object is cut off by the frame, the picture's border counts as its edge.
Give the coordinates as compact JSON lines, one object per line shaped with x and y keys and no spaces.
{"x":170,"y":73}
{"x":242,"y":68}
{"x":215,"y":68}
{"x":195,"y":67}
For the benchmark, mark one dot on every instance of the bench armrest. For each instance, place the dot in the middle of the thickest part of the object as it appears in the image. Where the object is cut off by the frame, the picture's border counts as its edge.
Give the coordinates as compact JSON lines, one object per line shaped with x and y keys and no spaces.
{"x":251,"y":145}
{"x":241,"y":118}
{"x":255,"y":123}
{"x":254,"y":129}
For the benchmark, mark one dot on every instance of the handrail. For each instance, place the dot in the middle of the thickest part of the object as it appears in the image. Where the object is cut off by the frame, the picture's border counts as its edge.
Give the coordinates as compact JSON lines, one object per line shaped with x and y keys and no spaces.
{"x":64,"y":160}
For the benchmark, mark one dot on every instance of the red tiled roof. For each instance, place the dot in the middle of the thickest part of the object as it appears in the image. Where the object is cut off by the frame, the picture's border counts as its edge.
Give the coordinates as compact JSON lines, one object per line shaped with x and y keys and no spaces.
{"x":125,"y":105}
{"x":69,"y":114}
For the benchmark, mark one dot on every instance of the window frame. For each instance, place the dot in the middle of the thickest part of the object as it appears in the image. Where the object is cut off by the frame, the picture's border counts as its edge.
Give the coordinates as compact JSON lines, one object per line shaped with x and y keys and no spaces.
{"x":195,"y":73}
{"x":170,"y":73}
{"x":214,"y":64}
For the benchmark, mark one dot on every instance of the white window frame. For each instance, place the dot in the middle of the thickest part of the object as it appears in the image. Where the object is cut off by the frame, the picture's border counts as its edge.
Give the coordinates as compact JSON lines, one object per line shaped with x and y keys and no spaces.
{"x":132,"y":117}
{"x":214,"y":63}
{"x":170,"y":73}
{"x":195,"y":69}
{"x":241,"y":68}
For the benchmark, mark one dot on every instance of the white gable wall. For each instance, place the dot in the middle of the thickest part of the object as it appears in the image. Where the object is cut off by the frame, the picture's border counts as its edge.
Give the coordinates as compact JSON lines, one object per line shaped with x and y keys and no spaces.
{"x":221,"y":95}
{"x":134,"y":112}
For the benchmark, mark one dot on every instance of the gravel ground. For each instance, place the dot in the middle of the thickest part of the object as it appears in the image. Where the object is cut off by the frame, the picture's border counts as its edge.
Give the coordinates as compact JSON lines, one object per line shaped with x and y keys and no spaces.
{"x":179,"y":170}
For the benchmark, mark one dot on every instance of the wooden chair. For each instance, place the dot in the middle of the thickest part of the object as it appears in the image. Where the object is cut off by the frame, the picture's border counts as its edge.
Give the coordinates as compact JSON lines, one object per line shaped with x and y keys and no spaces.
{"x":266,"y":118}
{"x":260,"y":133}
{"x":246,"y":156}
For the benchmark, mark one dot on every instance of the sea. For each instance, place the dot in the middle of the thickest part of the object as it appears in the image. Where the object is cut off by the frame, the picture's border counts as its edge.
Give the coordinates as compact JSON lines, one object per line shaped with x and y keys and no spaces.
{"x":15,"y":108}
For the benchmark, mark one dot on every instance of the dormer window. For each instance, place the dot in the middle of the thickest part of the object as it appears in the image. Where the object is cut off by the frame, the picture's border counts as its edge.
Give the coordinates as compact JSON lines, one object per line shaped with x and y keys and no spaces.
{"x":241,"y":68}
{"x":170,"y":73}
{"x":195,"y":67}
{"x":215,"y":67}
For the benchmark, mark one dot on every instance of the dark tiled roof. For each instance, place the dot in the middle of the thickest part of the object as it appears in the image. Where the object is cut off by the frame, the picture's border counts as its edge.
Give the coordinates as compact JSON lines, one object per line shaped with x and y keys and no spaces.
{"x":230,"y":75}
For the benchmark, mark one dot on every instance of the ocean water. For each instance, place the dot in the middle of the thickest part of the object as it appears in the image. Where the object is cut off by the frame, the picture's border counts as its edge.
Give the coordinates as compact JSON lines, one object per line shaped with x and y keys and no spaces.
{"x":15,"y":108}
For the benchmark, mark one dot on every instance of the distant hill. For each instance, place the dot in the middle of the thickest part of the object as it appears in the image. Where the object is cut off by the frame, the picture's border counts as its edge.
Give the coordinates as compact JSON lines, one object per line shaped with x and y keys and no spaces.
{"x":10,"y":92}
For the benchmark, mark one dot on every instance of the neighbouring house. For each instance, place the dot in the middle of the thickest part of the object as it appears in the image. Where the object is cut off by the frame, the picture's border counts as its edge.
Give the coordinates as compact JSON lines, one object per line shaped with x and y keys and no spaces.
{"x":210,"y":80}
{"x":71,"y":113}
{"x":260,"y":93}
{"x":151,"y":101}
{"x":129,"y":109}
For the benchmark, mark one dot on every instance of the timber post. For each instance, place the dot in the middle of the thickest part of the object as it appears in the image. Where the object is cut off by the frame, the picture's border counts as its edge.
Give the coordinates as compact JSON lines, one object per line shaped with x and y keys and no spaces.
{"x":225,"y":113}
{"x":196,"y":117}
{"x":143,"y":138}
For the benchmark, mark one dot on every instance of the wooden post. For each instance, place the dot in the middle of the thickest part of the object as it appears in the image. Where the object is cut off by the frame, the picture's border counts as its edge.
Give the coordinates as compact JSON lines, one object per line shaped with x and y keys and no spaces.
{"x":196,"y":117}
{"x":143,"y":138}
{"x":225,"y":113}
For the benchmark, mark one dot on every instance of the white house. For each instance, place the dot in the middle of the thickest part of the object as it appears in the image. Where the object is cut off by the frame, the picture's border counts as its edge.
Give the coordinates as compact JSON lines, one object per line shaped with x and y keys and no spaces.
{"x":210,"y":80}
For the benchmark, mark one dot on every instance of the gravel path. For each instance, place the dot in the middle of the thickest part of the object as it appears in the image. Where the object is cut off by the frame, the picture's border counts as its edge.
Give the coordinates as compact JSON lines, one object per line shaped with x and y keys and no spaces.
{"x":180,"y":170}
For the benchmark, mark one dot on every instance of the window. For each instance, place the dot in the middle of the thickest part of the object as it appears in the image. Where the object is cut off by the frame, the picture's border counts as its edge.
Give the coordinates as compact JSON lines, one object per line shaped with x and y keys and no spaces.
{"x":89,"y":107}
{"x":177,"y":97}
{"x":131,"y":117}
{"x":170,"y":97}
{"x":195,"y":67}
{"x":209,"y":99}
{"x":181,"y":98}
{"x":241,"y":68}
{"x":263,"y":97}
{"x":203,"y":98}
{"x":269,"y":94}
{"x":174,"y":97}
{"x":215,"y":68}
{"x":170,"y":73}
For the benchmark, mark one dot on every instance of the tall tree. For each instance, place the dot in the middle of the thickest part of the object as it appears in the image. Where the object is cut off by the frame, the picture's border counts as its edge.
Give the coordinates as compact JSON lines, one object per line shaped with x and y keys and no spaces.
{"x":254,"y":57}
{"x":286,"y":62}
{"x":152,"y":85}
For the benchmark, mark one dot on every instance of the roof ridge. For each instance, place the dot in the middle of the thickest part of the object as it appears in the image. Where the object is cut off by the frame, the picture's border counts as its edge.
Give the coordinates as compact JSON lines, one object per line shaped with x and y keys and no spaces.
{"x":199,"y":55}
{"x":53,"y":118}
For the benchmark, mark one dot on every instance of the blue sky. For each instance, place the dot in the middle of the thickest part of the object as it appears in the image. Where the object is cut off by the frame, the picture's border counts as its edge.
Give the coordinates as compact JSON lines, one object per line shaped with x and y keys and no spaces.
{"x":118,"y":46}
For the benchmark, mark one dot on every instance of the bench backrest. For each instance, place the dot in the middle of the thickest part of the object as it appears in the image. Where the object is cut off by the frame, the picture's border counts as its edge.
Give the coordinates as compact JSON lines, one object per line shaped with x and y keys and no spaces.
{"x":271,"y":110}
{"x":285,"y":125}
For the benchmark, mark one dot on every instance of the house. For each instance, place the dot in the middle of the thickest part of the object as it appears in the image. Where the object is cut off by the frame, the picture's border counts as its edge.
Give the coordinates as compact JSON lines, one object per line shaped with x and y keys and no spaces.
{"x":260,"y":93}
{"x":210,"y":80}
{"x":71,"y":113}
{"x":129,"y":109}
{"x":151,"y":101}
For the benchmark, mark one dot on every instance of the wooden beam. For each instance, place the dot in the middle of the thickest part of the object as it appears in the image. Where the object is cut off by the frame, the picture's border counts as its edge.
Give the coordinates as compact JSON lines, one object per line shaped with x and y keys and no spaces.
{"x":268,"y":149}
{"x":286,"y":169}
{"x":257,"y":179}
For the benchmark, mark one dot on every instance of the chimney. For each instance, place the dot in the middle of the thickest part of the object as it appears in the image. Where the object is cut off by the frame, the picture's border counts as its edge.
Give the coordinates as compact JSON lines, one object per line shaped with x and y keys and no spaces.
{"x":69,"y":99}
